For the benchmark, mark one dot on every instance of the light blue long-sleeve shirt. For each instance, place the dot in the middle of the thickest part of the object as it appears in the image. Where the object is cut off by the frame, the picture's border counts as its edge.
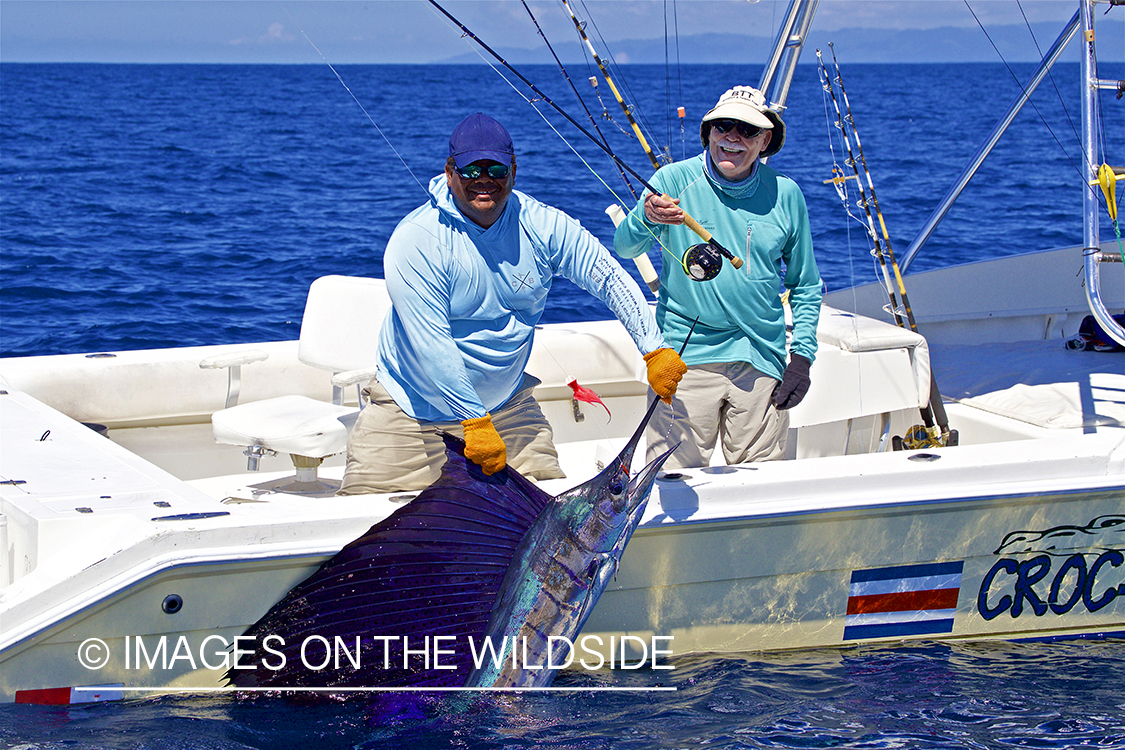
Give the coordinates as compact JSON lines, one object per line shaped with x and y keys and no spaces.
{"x":466,"y":300}
{"x":762,"y":220}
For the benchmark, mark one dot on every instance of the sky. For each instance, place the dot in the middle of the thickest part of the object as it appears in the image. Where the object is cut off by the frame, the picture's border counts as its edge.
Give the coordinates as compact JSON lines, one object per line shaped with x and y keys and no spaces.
{"x":412,"y":31}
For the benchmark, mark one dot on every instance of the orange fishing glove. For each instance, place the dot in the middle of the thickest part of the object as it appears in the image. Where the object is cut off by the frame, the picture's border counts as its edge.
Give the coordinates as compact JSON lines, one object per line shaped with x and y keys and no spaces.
{"x":665,"y":368}
{"x":483,"y":445}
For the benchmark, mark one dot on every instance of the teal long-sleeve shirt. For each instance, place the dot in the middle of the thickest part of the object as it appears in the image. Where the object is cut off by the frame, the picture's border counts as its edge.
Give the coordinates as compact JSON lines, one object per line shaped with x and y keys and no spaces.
{"x":762,"y":220}
{"x":465,"y":301}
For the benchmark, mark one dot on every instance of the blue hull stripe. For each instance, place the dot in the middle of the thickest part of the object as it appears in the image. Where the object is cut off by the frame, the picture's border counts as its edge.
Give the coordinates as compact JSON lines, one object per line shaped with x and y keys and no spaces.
{"x":893,"y":630}
{"x":908,"y":571}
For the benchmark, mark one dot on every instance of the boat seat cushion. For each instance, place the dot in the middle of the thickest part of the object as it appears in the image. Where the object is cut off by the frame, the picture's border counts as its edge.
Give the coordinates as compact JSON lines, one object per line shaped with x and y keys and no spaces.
{"x":1041,"y":383}
{"x":857,"y":333}
{"x":288,"y":424}
{"x":863,"y":367}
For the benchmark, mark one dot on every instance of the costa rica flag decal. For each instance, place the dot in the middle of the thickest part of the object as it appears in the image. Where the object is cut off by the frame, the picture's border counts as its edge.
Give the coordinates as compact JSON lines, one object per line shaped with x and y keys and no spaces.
{"x":903,"y":600}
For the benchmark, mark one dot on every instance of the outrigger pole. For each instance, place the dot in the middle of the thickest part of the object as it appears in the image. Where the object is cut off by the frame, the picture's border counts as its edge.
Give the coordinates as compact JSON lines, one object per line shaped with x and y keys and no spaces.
{"x":1092,"y":255}
{"x":790,"y":41}
{"x":903,"y":314}
{"x":963,"y":180}
{"x":690,"y":222}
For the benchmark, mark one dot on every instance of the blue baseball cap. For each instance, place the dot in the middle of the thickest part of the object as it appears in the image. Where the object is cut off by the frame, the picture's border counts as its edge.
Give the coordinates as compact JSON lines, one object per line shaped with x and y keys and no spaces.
{"x":480,"y":137}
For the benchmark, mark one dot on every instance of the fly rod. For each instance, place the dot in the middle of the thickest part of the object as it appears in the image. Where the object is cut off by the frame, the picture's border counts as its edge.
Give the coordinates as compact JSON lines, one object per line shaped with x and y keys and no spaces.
{"x":690,"y":222}
{"x":904,"y":316}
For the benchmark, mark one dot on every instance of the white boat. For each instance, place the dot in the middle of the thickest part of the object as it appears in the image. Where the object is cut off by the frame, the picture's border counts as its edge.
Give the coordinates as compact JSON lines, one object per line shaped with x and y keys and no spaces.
{"x":137,"y":546}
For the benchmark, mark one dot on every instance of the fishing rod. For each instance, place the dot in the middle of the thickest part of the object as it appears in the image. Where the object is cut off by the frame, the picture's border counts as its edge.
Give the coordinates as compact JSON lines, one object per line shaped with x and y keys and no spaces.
{"x":643,"y":264}
{"x":689,"y":221}
{"x":615,"y":212}
{"x":896,"y":309}
{"x":940,"y":433}
{"x":589,"y":115}
{"x":581,"y":27}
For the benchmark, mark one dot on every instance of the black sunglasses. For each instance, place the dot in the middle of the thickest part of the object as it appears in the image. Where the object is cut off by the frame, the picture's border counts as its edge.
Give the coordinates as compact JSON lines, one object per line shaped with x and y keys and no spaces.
{"x":746,"y":130}
{"x":474,"y":171}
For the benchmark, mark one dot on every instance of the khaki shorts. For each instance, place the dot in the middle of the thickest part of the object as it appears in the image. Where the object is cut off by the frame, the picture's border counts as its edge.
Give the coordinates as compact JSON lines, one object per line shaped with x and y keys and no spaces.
{"x":390,"y":451}
{"x":724,"y":403}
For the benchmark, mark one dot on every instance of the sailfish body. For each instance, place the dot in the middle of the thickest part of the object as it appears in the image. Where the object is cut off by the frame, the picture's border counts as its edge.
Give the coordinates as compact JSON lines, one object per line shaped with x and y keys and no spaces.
{"x":561,"y":568}
{"x":470,"y":584}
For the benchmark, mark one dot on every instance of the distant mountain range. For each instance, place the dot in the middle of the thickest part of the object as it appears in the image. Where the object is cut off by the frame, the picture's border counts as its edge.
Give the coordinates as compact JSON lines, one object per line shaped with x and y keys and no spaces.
{"x":946,"y":44}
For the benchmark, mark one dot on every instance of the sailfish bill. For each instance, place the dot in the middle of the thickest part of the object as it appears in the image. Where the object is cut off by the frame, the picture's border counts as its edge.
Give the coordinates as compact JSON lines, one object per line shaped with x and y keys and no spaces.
{"x":474,"y":583}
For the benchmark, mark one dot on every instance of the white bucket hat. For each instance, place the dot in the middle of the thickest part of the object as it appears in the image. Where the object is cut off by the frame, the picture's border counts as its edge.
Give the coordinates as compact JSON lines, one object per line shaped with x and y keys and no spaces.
{"x":746,"y":104}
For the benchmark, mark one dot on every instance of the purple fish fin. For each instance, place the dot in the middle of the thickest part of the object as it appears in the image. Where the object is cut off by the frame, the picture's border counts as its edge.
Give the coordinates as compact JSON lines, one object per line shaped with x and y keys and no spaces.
{"x":432,"y":569}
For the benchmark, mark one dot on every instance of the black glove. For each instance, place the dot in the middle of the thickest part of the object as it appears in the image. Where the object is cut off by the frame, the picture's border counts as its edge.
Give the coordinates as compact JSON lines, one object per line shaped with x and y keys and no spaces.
{"x":794,"y":383}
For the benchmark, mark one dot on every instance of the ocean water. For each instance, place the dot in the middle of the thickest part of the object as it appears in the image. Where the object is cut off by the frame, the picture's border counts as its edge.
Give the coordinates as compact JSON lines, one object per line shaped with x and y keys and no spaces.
{"x":921,"y":696}
{"x":151,"y":206}
{"x":166,"y":205}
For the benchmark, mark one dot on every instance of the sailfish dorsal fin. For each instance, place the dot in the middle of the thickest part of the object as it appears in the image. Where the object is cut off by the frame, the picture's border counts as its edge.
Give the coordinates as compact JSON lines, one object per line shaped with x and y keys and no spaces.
{"x":431,"y":569}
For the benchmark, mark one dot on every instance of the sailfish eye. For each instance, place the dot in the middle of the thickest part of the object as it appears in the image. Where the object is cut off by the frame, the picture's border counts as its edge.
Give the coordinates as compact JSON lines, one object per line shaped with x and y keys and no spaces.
{"x":617,"y":487}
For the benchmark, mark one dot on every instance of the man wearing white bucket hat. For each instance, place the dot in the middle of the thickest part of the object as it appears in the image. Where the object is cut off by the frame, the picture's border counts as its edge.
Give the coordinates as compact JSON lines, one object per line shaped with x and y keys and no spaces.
{"x":740,"y":381}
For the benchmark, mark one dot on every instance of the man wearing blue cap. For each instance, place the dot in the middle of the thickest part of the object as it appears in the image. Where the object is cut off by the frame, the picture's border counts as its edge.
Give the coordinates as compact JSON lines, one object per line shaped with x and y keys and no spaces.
{"x":468,"y":275}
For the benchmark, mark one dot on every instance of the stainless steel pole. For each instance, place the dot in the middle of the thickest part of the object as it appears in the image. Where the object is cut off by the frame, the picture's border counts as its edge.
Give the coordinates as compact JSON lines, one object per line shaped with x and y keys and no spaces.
{"x":954,"y":192}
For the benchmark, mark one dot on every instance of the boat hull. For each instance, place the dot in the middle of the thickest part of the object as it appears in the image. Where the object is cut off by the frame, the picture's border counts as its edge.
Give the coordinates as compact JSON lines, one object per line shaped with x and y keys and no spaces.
{"x":985,"y":567}
{"x":157,"y":549}
{"x":943,"y":569}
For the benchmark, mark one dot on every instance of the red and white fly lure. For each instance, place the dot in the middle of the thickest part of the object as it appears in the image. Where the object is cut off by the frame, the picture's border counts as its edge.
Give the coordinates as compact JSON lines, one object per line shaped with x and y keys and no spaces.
{"x":582,"y":393}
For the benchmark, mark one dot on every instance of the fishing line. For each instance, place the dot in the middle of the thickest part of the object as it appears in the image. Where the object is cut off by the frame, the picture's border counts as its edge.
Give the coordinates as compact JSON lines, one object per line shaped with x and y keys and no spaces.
{"x":466,"y":33}
{"x":655,"y":401}
{"x":933,"y":435}
{"x":580,"y":28}
{"x":1069,"y":158}
{"x":612,"y":63}
{"x":357,"y":101}
{"x":563,"y":138}
{"x":644,"y":265}
{"x":839,"y":182}
{"x":688,"y":220}
{"x":1054,"y":83}
{"x":616,"y":213}
{"x":403,"y":160}
{"x":593,"y":79}
{"x":542,"y":97}
{"x":895,"y":310}
{"x":839,"y":179}
{"x":936,"y":409}
{"x":679,"y":80}
{"x":528,"y":100}
{"x":589,"y":116}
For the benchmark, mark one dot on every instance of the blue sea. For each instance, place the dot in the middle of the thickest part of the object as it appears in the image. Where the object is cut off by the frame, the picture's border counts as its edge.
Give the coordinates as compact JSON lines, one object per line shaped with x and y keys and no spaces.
{"x":148,"y":206}
{"x":151,"y":206}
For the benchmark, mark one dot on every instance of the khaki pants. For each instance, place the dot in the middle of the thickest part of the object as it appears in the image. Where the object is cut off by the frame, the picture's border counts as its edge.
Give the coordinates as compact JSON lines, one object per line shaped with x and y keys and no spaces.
{"x":728,"y":403}
{"x":390,"y":451}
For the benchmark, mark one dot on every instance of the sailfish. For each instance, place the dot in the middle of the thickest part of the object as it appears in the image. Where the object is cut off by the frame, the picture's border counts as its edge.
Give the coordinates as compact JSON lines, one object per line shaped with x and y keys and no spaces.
{"x":479,"y":581}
